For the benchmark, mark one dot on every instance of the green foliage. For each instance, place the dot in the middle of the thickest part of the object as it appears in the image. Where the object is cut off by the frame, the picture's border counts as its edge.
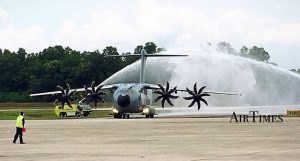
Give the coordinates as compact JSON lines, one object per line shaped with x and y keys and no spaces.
{"x":13,"y":96}
{"x":45,"y":114}
{"x":22,"y":73}
{"x":259,"y":54}
{"x":150,"y":48}
{"x":295,"y":71}
{"x":226,"y":48}
{"x":256,"y":53}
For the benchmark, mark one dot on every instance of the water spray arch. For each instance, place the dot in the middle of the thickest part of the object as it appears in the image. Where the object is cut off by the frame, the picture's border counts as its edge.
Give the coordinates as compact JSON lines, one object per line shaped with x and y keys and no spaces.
{"x":259,"y":83}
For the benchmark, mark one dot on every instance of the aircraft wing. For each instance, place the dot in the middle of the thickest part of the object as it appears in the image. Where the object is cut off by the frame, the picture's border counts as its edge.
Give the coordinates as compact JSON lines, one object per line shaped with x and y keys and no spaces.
{"x":150,"y":86}
{"x":215,"y":92}
{"x":51,"y":93}
{"x":72,"y":90}
{"x":225,"y":93}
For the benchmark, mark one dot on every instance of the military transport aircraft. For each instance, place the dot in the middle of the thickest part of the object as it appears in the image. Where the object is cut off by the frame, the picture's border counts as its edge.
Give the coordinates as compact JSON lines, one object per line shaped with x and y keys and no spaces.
{"x":131,"y":98}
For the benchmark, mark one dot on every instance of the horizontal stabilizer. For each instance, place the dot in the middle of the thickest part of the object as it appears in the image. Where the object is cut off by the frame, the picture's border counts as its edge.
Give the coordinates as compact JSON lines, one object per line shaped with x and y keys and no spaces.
{"x":146,"y":55}
{"x":162,"y":55}
{"x":128,"y":55}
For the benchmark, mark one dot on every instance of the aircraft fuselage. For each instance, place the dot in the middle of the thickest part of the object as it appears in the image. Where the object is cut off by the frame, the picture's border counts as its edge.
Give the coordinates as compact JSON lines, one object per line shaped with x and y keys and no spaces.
{"x":131,"y":98}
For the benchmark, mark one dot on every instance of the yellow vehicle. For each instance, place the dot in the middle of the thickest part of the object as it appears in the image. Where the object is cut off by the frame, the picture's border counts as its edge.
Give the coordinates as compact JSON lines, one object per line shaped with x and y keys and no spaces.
{"x":76,"y":110}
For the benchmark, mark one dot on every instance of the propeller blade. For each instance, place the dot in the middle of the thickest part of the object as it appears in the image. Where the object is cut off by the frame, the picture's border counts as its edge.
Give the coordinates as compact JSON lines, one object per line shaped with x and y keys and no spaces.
{"x":167,"y":88}
{"x":61,"y":89}
{"x":188,"y":98}
{"x":68,"y":89}
{"x":170,"y":103}
{"x":195,"y":88}
{"x":204,"y":101}
{"x":201,"y":89}
{"x":172,"y":90}
{"x":199,"y":105}
{"x":86,"y":89}
{"x":55,"y":101}
{"x":192,"y":104}
{"x":163,"y":103}
{"x":161,"y":88}
{"x":62,"y":104}
{"x":93,"y":86}
{"x":158,"y":92}
{"x":174,"y":97}
{"x":189,"y":91}
{"x":158,"y":98}
{"x":72,"y":93}
{"x":205,"y":94}
{"x":99,"y":88}
{"x":69,"y":104}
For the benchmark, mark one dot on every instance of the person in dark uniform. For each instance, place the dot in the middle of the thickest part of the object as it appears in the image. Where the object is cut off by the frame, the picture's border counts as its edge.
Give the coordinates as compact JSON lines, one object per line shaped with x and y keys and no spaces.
{"x":20,"y":124}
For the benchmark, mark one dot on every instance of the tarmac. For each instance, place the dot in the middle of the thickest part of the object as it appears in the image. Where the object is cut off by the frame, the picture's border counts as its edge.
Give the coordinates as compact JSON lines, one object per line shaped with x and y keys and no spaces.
{"x":183,"y":139}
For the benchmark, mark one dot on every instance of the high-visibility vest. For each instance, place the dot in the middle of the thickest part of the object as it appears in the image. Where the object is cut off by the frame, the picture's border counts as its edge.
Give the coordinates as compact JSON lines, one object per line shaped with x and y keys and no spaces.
{"x":19,"y":122}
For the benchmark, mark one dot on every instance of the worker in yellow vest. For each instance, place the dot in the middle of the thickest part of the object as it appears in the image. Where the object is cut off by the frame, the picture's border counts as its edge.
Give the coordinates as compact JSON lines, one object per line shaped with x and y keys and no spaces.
{"x":19,"y":126}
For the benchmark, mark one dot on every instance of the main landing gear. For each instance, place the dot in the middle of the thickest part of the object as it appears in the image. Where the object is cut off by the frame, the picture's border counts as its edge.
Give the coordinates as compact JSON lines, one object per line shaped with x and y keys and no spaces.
{"x":123,"y":116}
{"x":149,"y":116}
{"x":127,"y":116}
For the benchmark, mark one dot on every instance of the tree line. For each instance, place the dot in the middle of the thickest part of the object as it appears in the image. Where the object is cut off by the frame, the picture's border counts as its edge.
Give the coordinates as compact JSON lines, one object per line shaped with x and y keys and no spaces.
{"x":256,"y":53}
{"x":22,"y":73}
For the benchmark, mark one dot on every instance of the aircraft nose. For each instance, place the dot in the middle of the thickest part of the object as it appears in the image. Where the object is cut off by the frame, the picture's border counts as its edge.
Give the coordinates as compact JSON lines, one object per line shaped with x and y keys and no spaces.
{"x":123,"y":100}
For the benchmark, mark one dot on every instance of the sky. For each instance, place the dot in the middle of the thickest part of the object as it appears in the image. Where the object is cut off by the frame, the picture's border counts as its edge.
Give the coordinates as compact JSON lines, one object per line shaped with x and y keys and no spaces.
{"x":94,"y":24}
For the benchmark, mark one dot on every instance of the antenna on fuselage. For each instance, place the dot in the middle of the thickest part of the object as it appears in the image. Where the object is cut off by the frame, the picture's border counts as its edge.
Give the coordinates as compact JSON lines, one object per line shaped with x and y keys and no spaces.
{"x":143,"y":55}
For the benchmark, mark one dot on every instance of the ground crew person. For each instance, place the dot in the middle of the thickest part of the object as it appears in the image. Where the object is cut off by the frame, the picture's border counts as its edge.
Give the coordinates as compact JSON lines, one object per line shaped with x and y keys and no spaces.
{"x":19,"y":126}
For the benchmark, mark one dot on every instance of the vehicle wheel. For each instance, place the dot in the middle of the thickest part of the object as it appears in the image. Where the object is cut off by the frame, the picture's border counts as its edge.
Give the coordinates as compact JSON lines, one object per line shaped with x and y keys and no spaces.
{"x":123,"y":116}
{"x":127,"y":116}
{"x":147,"y":116}
{"x":77,"y":114}
{"x":62,"y":114}
{"x":152,"y":116}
